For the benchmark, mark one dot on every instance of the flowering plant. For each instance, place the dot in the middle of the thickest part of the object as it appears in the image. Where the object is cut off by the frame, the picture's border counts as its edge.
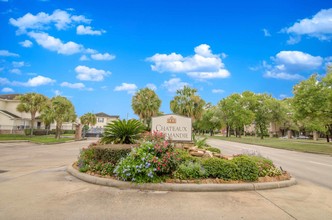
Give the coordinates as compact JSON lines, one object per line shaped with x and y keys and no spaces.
{"x":154,"y":158}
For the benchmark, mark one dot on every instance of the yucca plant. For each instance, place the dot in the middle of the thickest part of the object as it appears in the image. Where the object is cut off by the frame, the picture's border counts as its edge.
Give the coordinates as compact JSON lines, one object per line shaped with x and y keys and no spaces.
{"x":122,"y":132}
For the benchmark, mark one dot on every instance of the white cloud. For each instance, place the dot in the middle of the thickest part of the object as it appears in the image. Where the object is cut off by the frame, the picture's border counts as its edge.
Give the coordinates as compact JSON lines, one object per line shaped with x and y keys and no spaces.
{"x":36,"y":81}
{"x":130,"y":88}
{"x":218,"y":91}
{"x":18,"y":64}
{"x":41,"y":21}
{"x":84,"y":58}
{"x":298,"y":59}
{"x":319,"y":26}
{"x":6,"y":53}
{"x":55,"y":44}
{"x":87,"y":30}
{"x":151,"y":86}
{"x":4,"y":81}
{"x":75,"y":86}
{"x":26,"y":43}
{"x":7,"y":90}
{"x":90,"y":74}
{"x":105,"y":56}
{"x":15,"y":71}
{"x":203,"y":65}
{"x":90,"y":51}
{"x":289,"y":64}
{"x":174,"y":84}
{"x":266,"y":33}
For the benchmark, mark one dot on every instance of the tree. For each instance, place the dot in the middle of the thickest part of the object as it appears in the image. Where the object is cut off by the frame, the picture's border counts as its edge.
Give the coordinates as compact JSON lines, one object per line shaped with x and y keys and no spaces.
{"x":47,"y":116}
{"x":312,"y":103}
{"x":187,"y":103}
{"x":60,"y":110}
{"x":88,"y":119}
{"x":31,"y":103}
{"x":146,"y":103}
{"x":262,"y":106}
{"x":236,"y":113}
{"x":209,"y":121}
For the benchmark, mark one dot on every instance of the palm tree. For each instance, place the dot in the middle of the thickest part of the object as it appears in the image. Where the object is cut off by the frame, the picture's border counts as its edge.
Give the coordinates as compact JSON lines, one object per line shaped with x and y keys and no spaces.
{"x":33,"y":103}
{"x":47,"y":115}
{"x":88,"y":119}
{"x":146,"y":103}
{"x":187,"y":103}
{"x":59,"y":110}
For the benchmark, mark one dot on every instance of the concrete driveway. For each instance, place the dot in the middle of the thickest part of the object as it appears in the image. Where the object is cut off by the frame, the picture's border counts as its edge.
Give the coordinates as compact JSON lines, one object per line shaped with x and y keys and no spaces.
{"x":36,"y":186}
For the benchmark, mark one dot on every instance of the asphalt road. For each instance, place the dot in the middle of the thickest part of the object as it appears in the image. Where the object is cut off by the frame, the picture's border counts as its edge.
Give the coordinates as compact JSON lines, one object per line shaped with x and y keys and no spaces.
{"x":314,"y":168}
{"x":34,"y":184}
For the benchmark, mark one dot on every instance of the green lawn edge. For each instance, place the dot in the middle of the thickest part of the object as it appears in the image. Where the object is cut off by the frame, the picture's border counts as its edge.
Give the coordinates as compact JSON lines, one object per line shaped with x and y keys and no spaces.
{"x":307,"y":146}
{"x":49,"y":139}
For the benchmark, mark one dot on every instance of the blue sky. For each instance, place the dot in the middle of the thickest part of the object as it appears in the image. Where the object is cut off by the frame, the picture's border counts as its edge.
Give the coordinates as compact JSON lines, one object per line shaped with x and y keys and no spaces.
{"x":98,"y":53}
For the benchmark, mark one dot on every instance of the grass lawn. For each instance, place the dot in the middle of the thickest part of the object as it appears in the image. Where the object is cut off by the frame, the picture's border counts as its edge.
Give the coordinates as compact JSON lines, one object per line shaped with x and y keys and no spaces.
{"x":310,"y":146}
{"x":45,"y":139}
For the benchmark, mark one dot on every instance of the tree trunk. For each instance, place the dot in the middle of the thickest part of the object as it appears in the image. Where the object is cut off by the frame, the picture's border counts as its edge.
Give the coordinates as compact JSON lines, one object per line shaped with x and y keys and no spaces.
{"x":261,"y":131}
{"x":239,"y":130}
{"x":289,"y":134}
{"x":58,"y":131}
{"x":227,"y":131}
{"x":315,"y":135}
{"x":33,"y":115}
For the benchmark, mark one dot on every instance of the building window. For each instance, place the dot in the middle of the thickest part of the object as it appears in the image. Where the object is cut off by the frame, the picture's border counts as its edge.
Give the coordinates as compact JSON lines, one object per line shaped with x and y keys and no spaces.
{"x":100,"y":119}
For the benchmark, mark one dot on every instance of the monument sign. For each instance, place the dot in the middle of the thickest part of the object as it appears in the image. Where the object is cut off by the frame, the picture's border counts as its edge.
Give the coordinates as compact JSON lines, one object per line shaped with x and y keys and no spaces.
{"x":175,"y":127}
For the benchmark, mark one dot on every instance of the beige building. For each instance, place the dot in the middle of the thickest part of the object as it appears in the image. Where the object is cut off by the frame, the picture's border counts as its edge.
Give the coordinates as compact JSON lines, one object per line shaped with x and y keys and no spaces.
{"x":102,"y":120}
{"x":14,"y":122}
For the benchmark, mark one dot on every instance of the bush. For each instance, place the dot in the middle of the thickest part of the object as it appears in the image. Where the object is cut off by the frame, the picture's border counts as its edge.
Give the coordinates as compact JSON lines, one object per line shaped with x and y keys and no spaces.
{"x":86,"y":159}
{"x":213,"y":149}
{"x":190,"y":170}
{"x":247,"y":169}
{"x":184,"y":156}
{"x":122,"y":132}
{"x":149,"y":162}
{"x":220,"y":168}
{"x":111,"y":154}
{"x":69,"y":132}
{"x":37,"y":132}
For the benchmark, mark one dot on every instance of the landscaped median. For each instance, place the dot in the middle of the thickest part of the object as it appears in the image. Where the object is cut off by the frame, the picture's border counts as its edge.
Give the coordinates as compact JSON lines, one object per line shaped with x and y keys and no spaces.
{"x":156,"y":164}
{"x":180,"y":187}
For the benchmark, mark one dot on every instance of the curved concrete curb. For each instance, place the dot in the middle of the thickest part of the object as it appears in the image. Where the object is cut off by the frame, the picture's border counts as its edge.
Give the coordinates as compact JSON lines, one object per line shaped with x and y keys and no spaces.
{"x":180,"y":187}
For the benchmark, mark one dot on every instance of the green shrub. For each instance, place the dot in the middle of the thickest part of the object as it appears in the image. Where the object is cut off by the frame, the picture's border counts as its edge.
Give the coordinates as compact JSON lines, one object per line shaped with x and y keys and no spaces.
{"x":184,"y":156}
{"x":149,"y":162}
{"x":37,"y":132}
{"x":69,"y":131}
{"x":213,"y":149}
{"x":102,"y":168}
{"x":190,"y":170}
{"x":220,"y":168}
{"x":247,"y":169}
{"x":111,"y":154}
{"x":122,"y":132}
{"x":264,"y":165}
{"x":86,"y":159}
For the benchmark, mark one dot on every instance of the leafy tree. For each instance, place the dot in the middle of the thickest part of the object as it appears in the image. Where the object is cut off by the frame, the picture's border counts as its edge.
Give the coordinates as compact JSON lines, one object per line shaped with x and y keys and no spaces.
{"x":146,"y":103}
{"x":209,"y":121}
{"x":88,"y":119}
{"x":312,"y":103}
{"x":47,"y":116}
{"x":236,"y":112}
{"x":33,"y":103}
{"x":187,"y":103}
{"x":60,"y":110}
{"x":262,"y":105}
